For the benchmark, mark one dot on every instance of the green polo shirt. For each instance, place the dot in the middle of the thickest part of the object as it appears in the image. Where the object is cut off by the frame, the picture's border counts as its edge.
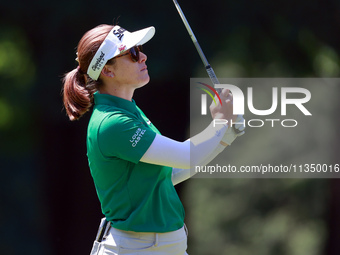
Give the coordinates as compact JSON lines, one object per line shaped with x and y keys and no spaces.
{"x":134,"y":196}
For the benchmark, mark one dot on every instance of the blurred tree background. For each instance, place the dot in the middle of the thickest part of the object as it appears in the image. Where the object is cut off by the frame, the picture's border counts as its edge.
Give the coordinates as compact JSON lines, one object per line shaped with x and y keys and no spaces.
{"x":48,"y":201}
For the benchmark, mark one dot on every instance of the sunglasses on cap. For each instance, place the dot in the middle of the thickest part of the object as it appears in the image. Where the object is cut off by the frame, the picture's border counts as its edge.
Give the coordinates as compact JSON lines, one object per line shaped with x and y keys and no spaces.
{"x":133,"y":52}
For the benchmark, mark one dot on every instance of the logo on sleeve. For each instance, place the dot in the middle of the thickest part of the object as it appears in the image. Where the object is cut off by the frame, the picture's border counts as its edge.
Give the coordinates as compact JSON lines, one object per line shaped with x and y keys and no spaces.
{"x":137,"y":137}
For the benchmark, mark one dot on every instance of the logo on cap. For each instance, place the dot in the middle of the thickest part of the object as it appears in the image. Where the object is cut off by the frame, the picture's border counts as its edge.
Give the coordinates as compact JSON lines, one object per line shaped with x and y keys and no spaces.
{"x":122,"y":48}
{"x":119,"y":33}
{"x":99,"y":62}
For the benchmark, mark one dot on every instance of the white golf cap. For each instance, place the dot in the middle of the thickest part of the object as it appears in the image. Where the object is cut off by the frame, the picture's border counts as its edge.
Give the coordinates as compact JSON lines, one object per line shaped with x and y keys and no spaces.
{"x":116,"y":42}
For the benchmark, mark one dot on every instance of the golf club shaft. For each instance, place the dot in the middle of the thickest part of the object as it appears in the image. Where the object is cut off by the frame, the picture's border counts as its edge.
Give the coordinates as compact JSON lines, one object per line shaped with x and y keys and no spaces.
{"x":209,"y":69}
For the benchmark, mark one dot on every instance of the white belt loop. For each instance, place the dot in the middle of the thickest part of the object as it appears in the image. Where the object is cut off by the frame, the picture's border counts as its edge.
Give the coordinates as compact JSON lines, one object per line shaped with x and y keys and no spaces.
{"x":156,"y":241}
{"x":186,"y":229}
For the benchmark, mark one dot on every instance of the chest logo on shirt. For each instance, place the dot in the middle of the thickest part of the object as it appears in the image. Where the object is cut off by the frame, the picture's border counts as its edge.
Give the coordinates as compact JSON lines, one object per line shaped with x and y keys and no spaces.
{"x":137,"y":137}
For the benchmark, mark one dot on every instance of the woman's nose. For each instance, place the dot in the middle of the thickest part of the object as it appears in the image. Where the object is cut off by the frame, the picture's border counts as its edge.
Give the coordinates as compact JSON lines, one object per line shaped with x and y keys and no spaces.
{"x":142,"y":57}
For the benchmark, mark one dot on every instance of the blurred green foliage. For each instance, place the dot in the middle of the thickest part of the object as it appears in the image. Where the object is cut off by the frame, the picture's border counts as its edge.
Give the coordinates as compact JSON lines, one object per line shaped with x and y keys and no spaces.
{"x":17,"y":76}
{"x":257,"y":216}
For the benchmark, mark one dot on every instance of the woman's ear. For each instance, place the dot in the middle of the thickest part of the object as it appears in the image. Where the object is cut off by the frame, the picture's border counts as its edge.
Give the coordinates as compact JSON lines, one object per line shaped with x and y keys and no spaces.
{"x":107,"y":72}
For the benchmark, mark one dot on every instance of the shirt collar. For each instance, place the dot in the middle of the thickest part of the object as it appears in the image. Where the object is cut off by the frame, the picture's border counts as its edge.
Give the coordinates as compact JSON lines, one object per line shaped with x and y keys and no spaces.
{"x":105,"y":99}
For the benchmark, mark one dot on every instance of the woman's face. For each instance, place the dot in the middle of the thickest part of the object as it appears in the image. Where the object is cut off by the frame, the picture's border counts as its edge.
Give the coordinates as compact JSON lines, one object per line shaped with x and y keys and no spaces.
{"x":129,"y":73}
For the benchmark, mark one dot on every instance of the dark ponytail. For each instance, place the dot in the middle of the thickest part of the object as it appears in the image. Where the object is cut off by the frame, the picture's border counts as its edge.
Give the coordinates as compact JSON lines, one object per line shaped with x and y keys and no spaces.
{"x":78,"y":87}
{"x":77,"y":95}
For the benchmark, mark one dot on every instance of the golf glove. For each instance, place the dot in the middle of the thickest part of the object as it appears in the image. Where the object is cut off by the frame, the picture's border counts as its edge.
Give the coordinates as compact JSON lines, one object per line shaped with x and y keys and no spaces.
{"x":236,"y":130}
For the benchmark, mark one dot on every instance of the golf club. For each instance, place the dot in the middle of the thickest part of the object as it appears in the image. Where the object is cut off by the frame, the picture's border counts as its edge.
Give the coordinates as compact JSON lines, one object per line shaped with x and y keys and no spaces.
{"x":237,"y":128}
{"x":208,"y":67}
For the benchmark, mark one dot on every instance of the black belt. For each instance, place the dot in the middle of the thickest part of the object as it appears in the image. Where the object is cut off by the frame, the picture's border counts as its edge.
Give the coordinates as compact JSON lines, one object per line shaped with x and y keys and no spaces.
{"x":103,"y":230}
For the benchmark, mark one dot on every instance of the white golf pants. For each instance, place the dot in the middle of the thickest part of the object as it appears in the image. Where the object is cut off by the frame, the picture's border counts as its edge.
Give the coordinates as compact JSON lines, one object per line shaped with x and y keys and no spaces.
{"x":118,"y":242}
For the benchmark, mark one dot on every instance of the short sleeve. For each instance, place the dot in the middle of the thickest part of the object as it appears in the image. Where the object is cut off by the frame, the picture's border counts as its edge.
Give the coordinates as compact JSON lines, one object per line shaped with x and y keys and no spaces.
{"x":125,"y":137}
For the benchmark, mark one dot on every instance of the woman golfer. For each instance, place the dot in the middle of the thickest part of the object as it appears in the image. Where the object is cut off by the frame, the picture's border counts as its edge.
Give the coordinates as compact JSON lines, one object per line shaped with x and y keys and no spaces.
{"x":134,"y":167}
